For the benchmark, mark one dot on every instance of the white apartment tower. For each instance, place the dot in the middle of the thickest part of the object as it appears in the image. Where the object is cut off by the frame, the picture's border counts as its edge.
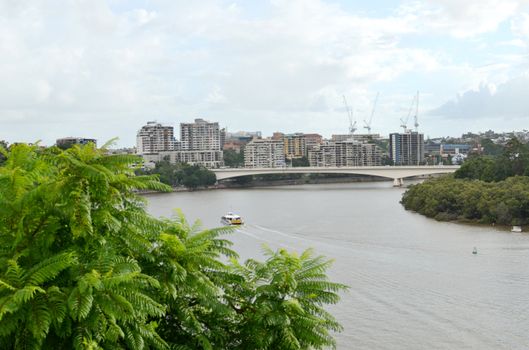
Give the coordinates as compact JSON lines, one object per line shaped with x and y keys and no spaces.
{"x":154,"y":138}
{"x":345,"y":153}
{"x":200,"y":136}
{"x":264,"y":153}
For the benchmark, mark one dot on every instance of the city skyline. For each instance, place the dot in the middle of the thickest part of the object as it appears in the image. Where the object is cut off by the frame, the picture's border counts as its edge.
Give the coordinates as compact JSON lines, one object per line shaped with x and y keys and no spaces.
{"x":101,"y":69}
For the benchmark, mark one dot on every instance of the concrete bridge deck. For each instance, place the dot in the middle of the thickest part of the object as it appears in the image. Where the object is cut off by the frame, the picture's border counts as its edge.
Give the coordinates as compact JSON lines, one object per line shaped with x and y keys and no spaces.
{"x":397,"y":173}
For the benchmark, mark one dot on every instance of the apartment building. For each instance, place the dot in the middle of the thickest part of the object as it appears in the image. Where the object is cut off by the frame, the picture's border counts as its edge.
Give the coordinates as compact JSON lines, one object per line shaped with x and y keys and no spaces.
{"x":208,"y":159}
{"x":323,"y":155}
{"x":200,"y":144}
{"x":155,"y":137}
{"x":201,"y":135}
{"x":312,"y":140}
{"x":406,"y":148}
{"x":344,"y":153}
{"x":264,"y":153}
{"x":294,"y":145}
{"x":363,"y":138}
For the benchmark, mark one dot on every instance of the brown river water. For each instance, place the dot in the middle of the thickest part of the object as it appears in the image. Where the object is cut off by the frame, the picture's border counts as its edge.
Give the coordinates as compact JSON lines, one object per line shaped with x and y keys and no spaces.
{"x":414,"y":282}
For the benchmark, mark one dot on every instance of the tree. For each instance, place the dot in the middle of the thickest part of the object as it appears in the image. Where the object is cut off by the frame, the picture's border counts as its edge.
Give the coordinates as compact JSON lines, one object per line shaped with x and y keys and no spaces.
{"x":181,"y":174}
{"x":234,"y":159}
{"x":477,"y":167}
{"x":512,"y":161}
{"x":70,"y":232}
{"x":276,"y":304}
{"x":83,"y":266}
{"x":490,"y":148}
{"x":3,"y":151}
{"x":300,"y":162}
{"x":281,"y":301}
{"x":447,"y":198}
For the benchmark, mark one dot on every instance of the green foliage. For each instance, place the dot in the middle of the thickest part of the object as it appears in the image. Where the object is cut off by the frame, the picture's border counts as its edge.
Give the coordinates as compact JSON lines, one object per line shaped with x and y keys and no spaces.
{"x":190,"y":176}
{"x":490,"y":148}
{"x":478,"y":168}
{"x":70,"y":231}
{"x":513,"y":160}
{"x":3,"y":151}
{"x":280,"y":303}
{"x":446,"y":198}
{"x":83,"y":266}
{"x":233,"y":159}
{"x":300,"y":162}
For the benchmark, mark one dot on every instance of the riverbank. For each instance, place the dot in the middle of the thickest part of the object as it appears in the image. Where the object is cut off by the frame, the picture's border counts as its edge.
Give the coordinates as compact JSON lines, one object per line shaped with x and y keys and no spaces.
{"x":278,"y":183}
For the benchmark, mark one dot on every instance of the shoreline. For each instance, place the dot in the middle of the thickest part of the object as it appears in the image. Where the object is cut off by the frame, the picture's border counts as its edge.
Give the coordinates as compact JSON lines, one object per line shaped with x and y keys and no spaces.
{"x":467,"y":222}
{"x":275,"y":183}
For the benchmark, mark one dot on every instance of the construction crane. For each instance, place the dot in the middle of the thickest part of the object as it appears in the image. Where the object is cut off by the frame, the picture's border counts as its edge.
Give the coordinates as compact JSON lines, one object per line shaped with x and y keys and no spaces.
{"x":368,"y":124}
{"x":404,"y":122}
{"x":416,"y":117}
{"x":352,"y":123}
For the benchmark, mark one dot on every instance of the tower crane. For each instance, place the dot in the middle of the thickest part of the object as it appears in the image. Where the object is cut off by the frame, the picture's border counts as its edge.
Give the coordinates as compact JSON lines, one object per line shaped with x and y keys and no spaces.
{"x":352,"y":122}
{"x":416,"y":117}
{"x":368,"y":124}
{"x":404,"y":122}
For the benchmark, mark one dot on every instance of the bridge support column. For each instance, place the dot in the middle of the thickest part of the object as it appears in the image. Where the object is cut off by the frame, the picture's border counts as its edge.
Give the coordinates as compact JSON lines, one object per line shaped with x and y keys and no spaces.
{"x":399,"y":182}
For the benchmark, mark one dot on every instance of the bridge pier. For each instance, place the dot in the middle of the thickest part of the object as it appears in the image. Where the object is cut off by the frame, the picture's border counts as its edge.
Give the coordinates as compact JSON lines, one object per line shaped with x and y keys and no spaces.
{"x":398,"y":182}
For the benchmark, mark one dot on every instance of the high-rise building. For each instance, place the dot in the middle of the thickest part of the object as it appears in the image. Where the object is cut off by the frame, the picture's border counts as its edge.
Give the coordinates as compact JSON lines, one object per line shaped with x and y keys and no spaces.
{"x":294,"y":145}
{"x":345,"y":153}
{"x":406,"y":148}
{"x":264,"y":153}
{"x":312,"y":140}
{"x":222,"y":137}
{"x":208,"y":159}
{"x":155,"y":137}
{"x":364,"y":138}
{"x":202,"y":143}
{"x":200,"y":136}
{"x":323,"y":155}
{"x":277,"y":135}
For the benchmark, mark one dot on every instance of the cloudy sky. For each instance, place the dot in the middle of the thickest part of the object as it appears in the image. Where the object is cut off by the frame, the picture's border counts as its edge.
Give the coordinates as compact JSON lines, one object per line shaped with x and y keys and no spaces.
{"x":97,"y":68}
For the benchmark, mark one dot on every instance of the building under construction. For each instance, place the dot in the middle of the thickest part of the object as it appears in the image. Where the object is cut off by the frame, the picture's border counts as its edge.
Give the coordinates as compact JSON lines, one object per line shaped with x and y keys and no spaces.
{"x":406,"y":148}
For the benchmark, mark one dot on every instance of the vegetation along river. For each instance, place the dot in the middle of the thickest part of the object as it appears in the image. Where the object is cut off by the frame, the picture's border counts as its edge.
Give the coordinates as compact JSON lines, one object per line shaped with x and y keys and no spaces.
{"x":415,"y":283}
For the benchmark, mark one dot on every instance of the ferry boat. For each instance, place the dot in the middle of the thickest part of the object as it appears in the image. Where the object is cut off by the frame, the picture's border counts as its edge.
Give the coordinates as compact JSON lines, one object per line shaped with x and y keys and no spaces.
{"x":231,"y":219}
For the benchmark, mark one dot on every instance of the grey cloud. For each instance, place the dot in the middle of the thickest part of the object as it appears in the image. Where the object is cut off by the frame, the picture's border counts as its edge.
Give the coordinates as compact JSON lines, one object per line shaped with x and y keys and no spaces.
{"x":510,"y":100}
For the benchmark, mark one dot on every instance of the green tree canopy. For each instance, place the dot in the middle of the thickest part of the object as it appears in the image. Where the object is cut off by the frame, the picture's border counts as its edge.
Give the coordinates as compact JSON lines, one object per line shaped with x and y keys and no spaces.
{"x":181,"y":174}
{"x":446,"y":198}
{"x":512,"y":160}
{"x":83,"y":266}
{"x":234,"y":159}
{"x":300,"y":162}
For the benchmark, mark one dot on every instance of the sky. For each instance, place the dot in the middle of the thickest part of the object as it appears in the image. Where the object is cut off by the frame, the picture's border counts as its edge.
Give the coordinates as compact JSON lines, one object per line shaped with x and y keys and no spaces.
{"x":103,"y":68}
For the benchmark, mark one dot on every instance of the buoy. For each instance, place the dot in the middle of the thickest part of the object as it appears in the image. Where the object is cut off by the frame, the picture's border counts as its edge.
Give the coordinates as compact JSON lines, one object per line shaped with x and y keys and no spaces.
{"x":475,"y":251}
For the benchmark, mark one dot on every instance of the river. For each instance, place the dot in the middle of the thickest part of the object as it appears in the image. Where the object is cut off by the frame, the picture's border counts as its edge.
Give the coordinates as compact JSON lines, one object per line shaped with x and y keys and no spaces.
{"x":414,"y":282}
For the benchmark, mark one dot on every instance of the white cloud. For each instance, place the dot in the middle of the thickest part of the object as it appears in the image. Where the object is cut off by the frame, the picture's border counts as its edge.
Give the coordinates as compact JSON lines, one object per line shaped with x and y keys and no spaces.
{"x":520,"y":27}
{"x":71,"y":67}
{"x":462,"y":19}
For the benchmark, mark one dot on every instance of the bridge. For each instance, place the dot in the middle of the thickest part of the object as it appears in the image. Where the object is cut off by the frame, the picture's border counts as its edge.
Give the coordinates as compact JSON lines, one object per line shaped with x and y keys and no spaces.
{"x":396,"y":173}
